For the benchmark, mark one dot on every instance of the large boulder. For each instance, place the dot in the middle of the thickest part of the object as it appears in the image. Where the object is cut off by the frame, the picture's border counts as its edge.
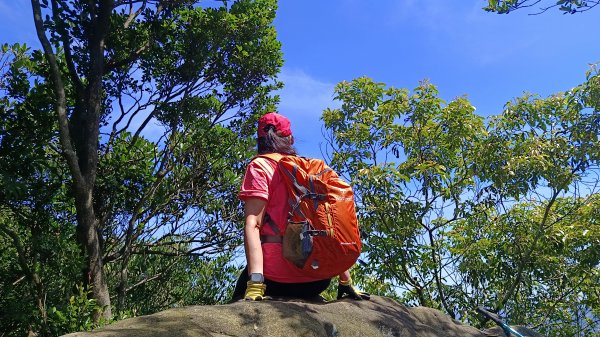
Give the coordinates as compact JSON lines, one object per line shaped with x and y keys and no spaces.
{"x":288,"y":318}
{"x":523,"y":330}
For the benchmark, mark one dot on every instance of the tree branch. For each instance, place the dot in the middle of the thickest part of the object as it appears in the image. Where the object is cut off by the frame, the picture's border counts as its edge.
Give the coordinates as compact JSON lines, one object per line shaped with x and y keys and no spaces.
{"x":525,"y":259}
{"x":66,"y":44}
{"x":59,"y":91}
{"x":114,"y":64}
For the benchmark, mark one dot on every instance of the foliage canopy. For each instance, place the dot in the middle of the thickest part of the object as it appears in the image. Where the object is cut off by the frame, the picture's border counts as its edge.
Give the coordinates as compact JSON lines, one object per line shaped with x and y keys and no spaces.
{"x":460,"y":212}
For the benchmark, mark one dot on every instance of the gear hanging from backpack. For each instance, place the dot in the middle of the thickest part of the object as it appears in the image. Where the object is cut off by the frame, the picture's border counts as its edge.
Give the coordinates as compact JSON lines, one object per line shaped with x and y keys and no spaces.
{"x":322,"y":236}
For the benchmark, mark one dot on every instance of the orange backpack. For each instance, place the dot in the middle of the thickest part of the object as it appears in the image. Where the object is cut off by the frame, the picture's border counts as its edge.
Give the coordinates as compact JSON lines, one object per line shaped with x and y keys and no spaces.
{"x":321,"y":236}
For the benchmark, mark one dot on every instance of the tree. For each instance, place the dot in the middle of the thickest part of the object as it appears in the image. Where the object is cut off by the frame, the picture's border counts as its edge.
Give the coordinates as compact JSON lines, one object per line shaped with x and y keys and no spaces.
{"x":566,"y":6}
{"x":39,"y":260}
{"x":540,"y":162}
{"x":119,"y":66}
{"x":550,"y":283}
{"x":406,"y":208}
{"x":459,"y":213}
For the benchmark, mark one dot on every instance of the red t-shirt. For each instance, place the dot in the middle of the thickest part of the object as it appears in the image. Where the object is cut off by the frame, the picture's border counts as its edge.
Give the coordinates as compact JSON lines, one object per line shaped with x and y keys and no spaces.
{"x":262,"y":180}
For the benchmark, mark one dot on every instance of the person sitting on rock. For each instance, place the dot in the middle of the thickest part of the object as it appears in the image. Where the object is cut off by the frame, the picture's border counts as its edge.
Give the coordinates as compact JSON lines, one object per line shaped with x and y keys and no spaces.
{"x":268,"y":273}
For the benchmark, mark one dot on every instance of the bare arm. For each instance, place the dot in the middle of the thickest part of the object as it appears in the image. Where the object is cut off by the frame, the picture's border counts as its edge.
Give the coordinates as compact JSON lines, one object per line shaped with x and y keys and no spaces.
{"x":254,"y":211}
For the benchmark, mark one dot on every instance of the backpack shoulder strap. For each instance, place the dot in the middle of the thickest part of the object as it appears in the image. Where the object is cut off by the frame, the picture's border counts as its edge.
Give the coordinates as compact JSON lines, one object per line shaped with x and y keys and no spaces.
{"x":267,"y":219}
{"x":273,"y":156}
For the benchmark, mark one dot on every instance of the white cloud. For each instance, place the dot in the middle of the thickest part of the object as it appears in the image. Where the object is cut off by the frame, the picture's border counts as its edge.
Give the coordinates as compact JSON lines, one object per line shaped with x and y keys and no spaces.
{"x":304,"y":93}
{"x":303,"y":100}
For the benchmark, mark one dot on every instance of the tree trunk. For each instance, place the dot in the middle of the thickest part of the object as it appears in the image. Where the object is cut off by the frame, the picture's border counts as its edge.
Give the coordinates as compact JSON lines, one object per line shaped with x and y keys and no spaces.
{"x":79,"y":134}
{"x":89,"y":240}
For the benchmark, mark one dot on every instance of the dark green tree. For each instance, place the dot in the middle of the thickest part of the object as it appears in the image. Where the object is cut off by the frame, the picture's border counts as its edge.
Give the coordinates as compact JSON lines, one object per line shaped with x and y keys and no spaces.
{"x":39,"y":262}
{"x":149,"y":100}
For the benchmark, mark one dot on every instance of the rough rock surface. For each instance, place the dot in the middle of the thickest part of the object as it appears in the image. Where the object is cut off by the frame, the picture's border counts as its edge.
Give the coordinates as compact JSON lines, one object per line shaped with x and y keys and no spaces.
{"x":345,"y":318}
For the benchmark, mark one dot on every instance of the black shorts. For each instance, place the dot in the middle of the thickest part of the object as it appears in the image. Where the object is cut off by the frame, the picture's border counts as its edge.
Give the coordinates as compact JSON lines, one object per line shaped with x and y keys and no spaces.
{"x":304,"y":290}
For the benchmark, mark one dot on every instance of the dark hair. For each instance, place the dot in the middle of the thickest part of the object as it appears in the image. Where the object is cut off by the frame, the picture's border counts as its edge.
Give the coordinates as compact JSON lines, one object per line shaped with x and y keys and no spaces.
{"x":272,"y":142}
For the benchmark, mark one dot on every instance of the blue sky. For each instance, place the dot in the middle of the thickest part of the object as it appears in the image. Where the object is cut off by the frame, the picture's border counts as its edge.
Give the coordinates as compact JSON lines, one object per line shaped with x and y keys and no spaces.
{"x":456,"y":45}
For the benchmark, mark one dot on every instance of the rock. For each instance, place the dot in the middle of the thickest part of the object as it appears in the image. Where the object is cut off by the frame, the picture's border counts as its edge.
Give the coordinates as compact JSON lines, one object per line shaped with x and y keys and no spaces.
{"x":290,"y":318}
{"x":497,"y":332}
